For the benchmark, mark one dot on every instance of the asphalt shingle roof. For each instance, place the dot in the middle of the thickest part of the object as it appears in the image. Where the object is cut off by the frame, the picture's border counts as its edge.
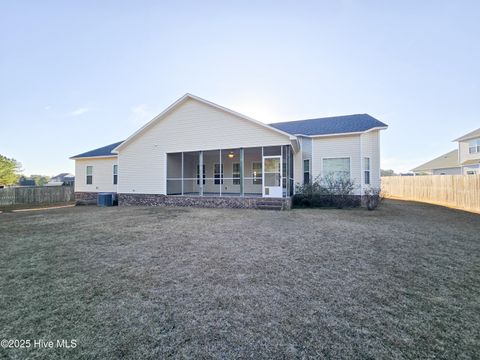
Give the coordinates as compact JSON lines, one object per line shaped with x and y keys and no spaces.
{"x":330,"y":125}
{"x":471,"y":135}
{"x":321,"y":126}
{"x":103,"y":151}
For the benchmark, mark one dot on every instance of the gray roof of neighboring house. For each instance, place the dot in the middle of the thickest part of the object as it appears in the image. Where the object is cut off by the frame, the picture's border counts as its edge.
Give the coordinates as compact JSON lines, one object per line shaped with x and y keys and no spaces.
{"x":471,"y":135}
{"x":445,"y":161}
{"x":103,"y":151}
{"x":330,"y":125}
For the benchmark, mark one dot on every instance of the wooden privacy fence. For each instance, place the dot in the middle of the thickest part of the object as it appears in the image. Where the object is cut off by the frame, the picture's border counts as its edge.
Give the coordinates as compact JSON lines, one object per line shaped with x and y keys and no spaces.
{"x":458,"y":191}
{"x":36,"y":195}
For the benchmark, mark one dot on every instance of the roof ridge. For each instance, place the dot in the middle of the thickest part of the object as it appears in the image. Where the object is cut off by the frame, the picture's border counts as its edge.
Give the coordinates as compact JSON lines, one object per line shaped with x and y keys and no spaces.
{"x":321,"y":118}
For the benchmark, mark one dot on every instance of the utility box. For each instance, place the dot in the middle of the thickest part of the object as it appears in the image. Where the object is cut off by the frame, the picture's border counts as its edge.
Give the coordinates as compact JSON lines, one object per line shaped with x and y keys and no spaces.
{"x":105,"y":199}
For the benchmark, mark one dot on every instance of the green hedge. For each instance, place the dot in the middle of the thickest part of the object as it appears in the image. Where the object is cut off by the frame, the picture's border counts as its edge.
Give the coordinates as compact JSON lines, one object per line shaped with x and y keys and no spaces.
{"x":326,"y":201}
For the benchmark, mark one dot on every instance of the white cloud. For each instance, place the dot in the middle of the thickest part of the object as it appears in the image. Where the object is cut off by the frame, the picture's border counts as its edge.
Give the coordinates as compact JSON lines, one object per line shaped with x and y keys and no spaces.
{"x":79,"y":111}
{"x":47,"y":107}
{"x":140,"y":114}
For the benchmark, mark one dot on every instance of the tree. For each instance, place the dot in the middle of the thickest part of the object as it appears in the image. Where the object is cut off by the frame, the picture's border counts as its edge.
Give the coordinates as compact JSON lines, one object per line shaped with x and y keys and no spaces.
{"x":9,"y":169}
{"x":40,"y":180}
{"x":387,"y":172}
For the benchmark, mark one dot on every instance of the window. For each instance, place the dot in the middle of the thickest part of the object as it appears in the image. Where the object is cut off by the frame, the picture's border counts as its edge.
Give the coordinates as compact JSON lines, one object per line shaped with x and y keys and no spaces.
{"x":306,"y":171}
{"x":336,"y":167}
{"x":257,"y":173}
{"x":89,"y":175}
{"x":218,"y":174}
{"x":115,"y":174}
{"x":474,"y":146}
{"x":236,"y":173}
{"x":198,"y":174}
{"x":366,"y":170}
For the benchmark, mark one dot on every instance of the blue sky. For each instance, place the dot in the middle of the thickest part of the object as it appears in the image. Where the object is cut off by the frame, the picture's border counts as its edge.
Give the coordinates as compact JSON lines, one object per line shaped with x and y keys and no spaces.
{"x":76,"y":75}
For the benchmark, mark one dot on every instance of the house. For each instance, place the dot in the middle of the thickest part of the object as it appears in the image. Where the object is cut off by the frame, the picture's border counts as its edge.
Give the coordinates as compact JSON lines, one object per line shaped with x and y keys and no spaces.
{"x":463,"y":160}
{"x":202,"y":154}
{"x":469,"y":152}
{"x":446,"y":164}
{"x":23,"y":181}
{"x":61,"y":179}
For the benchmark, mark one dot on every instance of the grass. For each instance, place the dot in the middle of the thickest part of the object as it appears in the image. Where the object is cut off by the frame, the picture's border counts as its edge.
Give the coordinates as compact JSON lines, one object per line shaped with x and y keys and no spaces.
{"x":132,"y":282}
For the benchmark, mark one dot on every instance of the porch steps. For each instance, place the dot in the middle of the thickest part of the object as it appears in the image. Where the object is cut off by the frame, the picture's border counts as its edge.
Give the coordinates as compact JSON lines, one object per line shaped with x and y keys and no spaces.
{"x":270,"y":204}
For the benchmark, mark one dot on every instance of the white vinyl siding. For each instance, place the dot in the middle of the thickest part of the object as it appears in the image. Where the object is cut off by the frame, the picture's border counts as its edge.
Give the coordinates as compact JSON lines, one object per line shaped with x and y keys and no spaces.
{"x":102,"y":175}
{"x":370,"y":148}
{"x":337,"y":147}
{"x":192,"y":126}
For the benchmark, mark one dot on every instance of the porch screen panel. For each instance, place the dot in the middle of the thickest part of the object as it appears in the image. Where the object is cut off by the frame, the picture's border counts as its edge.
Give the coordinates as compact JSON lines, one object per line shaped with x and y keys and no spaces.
{"x":231,"y":172}
{"x":213,"y":176}
{"x":253,"y":171}
{"x":174,"y":174}
{"x":191,"y":164}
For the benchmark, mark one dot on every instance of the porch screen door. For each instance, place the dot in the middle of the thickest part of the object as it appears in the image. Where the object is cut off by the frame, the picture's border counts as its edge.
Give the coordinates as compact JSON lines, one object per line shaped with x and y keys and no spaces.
{"x":272,"y":176}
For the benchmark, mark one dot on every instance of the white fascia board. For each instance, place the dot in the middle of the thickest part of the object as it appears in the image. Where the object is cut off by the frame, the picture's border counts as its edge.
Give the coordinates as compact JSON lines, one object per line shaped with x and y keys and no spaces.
{"x":93,"y":157}
{"x":347,"y":134}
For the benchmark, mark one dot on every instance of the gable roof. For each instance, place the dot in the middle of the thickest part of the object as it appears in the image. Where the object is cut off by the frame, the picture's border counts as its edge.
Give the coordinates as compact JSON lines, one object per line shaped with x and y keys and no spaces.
{"x":328,"y":126}
{"x":180,"y":101}
{"x":331,"y":125}
{"x":471,"y":135}
{"x":445,"y":161}
{"x":100,"y":152}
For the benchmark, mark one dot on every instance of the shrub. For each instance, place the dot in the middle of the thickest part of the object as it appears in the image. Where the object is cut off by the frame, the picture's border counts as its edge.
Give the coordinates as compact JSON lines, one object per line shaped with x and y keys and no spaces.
{"x":328,"y":191}
{"x":372,"y":197}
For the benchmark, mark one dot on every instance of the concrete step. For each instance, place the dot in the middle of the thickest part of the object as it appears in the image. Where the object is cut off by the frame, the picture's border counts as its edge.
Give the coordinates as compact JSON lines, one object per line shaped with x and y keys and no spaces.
{"x":269,"y":206}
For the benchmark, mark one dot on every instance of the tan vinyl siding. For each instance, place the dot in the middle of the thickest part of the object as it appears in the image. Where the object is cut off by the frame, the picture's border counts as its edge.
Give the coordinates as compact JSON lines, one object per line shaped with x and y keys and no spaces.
{"x":102,"y":175}
{"x":337,"y":147}
{"x":192,"y":126}
{"x":465,"y":155}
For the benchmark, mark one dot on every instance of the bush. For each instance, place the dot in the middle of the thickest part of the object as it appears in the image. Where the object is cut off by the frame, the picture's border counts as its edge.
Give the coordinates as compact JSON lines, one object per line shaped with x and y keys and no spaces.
{"x":372,"y":198}
{"x":328,"y":191}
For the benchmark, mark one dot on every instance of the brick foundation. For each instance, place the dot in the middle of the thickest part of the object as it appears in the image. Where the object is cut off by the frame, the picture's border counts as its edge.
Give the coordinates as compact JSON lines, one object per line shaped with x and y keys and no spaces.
{"x":205,"y":201}
{"x":86,"y":198}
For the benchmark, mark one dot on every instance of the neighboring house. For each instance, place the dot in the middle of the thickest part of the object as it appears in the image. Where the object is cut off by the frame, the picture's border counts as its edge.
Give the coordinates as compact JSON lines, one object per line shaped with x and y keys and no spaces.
{"x":446,"y":164}
{"x":61,"y":179}
{"x":213,"y":156}
{"x":469,"y":152}
{"x":464,"y":160}
{"x":23,"y":181}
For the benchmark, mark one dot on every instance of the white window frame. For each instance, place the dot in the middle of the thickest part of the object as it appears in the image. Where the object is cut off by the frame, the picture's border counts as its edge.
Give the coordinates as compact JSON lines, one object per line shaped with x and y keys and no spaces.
{"x":309,"y":171}
{"x":258,"y":176}
{"x":86,"y":174}
{"x":338,"y":157}
{"x":365,"y":170}
{"x":235,"y":178}
{"x":115,"y":173}
{"x":475,"y":148}
{"x":220,"y":178}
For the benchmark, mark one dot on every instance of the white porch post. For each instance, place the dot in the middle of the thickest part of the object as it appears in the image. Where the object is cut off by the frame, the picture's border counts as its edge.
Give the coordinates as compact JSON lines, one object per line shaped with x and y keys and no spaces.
{"x":200,"y":171}
{"x":182,"y":173}
{"x":221,"y":172}
{"x":242,"y":158}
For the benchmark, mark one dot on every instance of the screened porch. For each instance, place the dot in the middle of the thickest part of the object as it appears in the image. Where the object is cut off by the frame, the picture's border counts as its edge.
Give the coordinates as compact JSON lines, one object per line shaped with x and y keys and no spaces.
{"x":249,"y":172}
